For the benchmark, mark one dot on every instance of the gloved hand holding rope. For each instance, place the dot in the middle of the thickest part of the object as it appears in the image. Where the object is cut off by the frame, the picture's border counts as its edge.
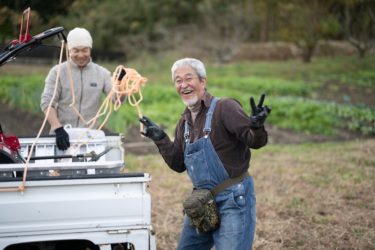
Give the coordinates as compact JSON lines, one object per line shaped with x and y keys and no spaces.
{"x":126,"y":84}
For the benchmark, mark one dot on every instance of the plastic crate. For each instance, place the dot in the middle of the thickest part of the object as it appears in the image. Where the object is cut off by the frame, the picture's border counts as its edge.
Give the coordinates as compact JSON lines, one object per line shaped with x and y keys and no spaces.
{"x":82,"y":141}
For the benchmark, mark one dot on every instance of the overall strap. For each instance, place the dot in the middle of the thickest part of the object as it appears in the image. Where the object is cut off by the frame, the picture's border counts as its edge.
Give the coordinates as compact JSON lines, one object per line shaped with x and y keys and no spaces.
{"x":207,"y":124}
{"x":186,"y":132}
{"x":228,"y":182}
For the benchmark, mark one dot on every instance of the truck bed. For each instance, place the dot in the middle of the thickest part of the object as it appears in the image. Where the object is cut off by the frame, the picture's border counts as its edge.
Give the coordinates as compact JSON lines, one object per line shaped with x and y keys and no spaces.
{"x":85,"y":201}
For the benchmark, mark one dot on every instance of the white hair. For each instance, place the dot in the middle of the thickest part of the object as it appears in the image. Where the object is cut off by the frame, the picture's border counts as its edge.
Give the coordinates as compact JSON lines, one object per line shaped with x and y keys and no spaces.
{"x":196,"y":64}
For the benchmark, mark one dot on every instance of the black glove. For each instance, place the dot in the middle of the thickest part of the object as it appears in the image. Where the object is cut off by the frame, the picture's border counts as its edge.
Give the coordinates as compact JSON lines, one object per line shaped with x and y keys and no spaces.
{"x":258,"y":113}
{"x":62,"y":139}
{"x":152,"y":131}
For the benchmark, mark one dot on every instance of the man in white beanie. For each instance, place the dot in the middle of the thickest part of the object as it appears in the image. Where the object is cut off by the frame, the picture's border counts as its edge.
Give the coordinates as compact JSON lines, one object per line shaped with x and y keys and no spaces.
{"x":90,"y":80}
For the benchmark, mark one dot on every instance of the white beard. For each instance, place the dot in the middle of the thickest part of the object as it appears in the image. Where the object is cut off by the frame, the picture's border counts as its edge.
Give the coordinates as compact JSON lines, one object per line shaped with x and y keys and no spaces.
{"x":191,"y":101}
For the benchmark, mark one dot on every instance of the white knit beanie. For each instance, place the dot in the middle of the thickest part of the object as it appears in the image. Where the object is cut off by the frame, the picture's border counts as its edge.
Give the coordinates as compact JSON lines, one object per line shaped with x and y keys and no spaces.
{"x":79,"y":37}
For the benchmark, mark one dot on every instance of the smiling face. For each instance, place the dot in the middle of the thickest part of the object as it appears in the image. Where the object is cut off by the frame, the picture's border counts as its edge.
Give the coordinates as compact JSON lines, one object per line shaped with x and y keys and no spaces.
{"x":188,"y":85}
{"x":80,"y":55}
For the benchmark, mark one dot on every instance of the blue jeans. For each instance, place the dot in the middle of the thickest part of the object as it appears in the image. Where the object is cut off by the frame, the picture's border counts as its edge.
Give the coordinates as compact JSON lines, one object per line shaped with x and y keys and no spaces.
{"x":238,"y":217}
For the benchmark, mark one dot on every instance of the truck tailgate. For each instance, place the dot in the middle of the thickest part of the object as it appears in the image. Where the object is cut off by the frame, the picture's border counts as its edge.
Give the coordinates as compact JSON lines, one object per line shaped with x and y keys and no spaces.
{"x":76,"y":204}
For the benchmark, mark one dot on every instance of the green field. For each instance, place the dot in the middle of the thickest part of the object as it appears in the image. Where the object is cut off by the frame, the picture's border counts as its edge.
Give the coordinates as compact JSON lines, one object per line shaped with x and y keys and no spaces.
{"x":324,"y":97}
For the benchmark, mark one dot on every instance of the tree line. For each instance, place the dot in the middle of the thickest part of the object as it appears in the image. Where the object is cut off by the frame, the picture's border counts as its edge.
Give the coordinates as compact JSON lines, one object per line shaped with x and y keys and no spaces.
{"x":215,"y":26}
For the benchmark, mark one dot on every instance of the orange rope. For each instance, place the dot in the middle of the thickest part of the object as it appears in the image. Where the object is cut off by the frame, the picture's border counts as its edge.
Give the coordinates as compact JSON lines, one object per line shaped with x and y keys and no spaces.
{"x":127,"y":88}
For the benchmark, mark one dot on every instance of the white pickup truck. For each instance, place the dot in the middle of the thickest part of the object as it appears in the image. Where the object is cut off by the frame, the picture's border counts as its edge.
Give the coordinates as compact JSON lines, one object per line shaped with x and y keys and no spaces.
{"x":79,"y":201}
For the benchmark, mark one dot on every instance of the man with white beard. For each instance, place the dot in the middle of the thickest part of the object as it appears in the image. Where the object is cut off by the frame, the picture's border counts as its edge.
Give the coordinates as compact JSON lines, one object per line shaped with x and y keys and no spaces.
{"x":212,"y":143}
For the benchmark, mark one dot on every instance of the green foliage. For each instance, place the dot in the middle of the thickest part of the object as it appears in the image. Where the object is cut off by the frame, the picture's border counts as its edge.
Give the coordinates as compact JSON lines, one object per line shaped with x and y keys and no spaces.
{"x":6,"y":24}
{"x":222,"y":31}
{"x":358,"y":24}
{"x":45,"y":11}
{"x":269,"y":85}
{"x":301,"y":115}
{"x":144,"y":25}
{"x":364,"y":78}
{"x":131,"y":25}
{"x":22,"y":91}
{"x":360,"y":119}
{"x":292,"y":91}
{"x":319,"y":117}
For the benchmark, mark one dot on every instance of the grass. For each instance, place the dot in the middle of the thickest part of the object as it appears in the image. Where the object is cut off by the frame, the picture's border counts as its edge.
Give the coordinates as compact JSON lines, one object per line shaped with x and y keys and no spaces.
{"x":309,"y":196}
{"x":293,"y":90}
{"x":349,"y":70}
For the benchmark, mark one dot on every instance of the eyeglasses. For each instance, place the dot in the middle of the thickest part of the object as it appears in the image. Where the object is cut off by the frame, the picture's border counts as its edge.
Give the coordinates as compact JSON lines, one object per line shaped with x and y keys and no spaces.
{"x":187,"y":80}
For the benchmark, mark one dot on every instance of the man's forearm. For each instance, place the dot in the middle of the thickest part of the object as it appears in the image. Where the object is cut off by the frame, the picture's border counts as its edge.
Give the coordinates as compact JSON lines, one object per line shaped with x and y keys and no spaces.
{"x":53,"y":119}
{"x":171,"y":155}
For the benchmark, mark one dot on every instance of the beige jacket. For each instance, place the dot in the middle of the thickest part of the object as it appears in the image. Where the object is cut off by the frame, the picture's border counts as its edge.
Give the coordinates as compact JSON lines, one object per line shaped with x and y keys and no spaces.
{"x":89,"y":84}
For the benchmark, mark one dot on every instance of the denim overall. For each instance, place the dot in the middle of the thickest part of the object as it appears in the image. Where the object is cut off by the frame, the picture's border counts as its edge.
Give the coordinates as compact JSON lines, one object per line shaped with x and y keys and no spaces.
{"x":236,"y":203}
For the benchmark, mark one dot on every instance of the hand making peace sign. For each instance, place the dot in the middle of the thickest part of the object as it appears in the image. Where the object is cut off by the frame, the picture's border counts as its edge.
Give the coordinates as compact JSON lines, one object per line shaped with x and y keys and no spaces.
{"x":259,"y":112}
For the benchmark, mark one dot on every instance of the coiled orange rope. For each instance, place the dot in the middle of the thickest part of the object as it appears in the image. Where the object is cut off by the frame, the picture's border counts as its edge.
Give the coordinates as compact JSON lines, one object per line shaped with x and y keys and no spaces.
{"x":129,"y":87}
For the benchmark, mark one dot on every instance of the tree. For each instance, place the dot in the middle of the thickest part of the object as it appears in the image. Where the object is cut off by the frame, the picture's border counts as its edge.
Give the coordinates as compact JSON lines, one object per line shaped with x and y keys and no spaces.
{"x":305,"y":23}
{"x":359,"y":24}
{"x":130,"y":26}
{"x":266,"y":14}
{"x":7,"y":28}
{"x":43,"y":13}
{"x":10,"y":23}
{"x":225,"y":25}
{"x":46,"y":9}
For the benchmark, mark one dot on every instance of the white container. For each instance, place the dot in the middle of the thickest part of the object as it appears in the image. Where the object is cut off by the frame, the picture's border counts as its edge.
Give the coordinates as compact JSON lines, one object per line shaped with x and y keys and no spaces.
{"x":83,"y":141}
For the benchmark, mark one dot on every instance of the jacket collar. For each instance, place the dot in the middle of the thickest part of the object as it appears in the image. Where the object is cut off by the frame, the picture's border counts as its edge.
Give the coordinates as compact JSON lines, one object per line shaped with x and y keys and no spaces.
{"x":75,"y":66}
{"x":205,"y":101}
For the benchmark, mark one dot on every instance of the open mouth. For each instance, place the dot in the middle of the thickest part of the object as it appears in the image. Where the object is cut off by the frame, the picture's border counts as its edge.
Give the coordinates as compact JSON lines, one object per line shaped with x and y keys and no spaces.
{"x":186,"y":92}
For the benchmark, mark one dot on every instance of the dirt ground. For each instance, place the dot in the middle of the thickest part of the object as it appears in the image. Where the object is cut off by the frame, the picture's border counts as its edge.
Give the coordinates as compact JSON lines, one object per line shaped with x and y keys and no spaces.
{"x":309,"y":196}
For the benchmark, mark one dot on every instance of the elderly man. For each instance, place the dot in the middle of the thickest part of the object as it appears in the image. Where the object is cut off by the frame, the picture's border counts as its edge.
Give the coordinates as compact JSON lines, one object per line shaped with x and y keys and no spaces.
{"x":212,"y":141}
{"x":90,"y":80}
